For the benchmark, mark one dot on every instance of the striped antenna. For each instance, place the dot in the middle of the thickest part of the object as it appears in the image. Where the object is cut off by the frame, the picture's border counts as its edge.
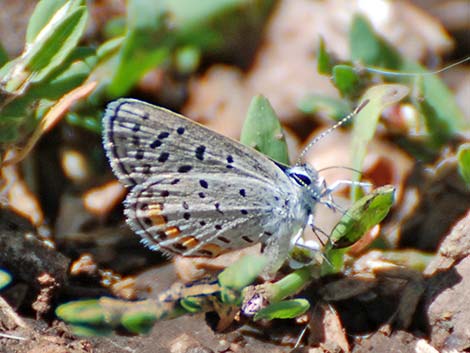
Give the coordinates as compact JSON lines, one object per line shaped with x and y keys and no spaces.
{"x":330,"y":130}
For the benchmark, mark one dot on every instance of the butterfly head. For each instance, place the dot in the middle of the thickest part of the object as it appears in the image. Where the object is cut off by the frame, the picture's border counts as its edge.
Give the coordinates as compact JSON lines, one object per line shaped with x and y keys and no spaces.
{"x":308,"y":178}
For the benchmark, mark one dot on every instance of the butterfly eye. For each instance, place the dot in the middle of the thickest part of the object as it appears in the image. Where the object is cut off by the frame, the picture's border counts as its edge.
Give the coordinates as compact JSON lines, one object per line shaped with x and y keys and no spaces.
{"x":301,"y":179}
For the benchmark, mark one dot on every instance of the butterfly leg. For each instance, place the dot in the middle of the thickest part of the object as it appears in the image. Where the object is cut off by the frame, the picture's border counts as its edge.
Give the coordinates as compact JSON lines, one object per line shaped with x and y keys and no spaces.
{"x":331,"y":188}
{"x":328,"y":193}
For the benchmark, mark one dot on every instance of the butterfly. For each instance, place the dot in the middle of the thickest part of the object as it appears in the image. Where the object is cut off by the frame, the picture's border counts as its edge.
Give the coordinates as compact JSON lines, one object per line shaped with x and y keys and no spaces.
{"x":195,"y":192}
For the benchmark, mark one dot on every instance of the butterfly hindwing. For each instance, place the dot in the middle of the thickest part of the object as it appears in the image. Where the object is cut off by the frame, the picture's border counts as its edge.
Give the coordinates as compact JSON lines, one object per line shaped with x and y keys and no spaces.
{"x":203,"y":214}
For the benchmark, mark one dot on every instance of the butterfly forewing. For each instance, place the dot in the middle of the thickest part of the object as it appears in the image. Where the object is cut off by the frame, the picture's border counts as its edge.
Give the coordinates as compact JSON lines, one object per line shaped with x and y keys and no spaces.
{"x":194,"y":192}
{"x":142,"y":140}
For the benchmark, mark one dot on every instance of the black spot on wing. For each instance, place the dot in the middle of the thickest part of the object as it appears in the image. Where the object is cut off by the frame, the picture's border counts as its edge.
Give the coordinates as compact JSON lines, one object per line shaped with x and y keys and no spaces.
{"x":184,"y":168}
{"x":200,"y":152}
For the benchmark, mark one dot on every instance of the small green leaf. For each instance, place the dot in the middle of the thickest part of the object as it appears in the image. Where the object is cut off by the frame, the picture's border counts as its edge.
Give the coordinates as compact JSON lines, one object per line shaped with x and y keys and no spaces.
{"x":324,"y":61}
{"x":365,"y":213}
{"x":82,"y":312}
{"x":378,"y":97}
{"x":345,"y":79}
{"x":463,"y":160}
{"x":138,"y":322}
{"x":262,"y":130}
{"x":47,"y":51}
{"x":47,"y":11}
{"x":369,"y":48}
{"x":333,"y":107}
{"x":5,"y":279}
{"x":191,"y":304}
{"x":72,"y":73}
{"x":437,"y":105}
{"x":243,"y":272}
{"x":290,"y":284}
{"x":287,"y":309}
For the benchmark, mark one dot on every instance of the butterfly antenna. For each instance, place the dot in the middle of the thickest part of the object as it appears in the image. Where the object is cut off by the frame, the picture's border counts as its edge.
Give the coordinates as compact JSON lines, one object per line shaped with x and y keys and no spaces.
{"x":340,"y":167}
{"x":331,"y":129}
{"x":409,"y":74}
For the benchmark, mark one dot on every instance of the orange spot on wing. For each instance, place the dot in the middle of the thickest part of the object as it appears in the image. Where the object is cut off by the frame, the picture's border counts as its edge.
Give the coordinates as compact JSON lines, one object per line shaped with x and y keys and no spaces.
{"x":190,"y":242}
{"x":172,"y":232}
{"x":158,"y":220}
{"x":153,"y":212}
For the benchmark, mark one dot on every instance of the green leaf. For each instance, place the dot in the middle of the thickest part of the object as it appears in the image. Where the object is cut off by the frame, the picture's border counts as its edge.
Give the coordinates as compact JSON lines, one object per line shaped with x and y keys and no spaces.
{"x":290,"y":284}
{"x":50,"y":52}
{"x":463,"y":160}
{"x":324,"y":61}
{"x":436,"y":103}
{"x":333,"y":107}
{"x":262,"y":130}
{"x":287,"y":309}
{"x":367,"y":212}
{"x":5,"y":279}
{"x":369,"y":48}
{"x":47,"y":11}
{"x":138,"y":322}
{"x":345,"y":79}
{"x":243,"y":272}
{"x":47,"y":51}
{"x":86,"y":312}
{"x":72,"y":73}
{"x":115,"y":27}
{"x":191,"y":304}
{"x":365,"y":123}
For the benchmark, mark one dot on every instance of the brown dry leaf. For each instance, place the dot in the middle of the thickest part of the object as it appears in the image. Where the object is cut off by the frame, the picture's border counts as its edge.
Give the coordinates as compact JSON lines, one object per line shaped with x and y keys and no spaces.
{"x":18,"y":196}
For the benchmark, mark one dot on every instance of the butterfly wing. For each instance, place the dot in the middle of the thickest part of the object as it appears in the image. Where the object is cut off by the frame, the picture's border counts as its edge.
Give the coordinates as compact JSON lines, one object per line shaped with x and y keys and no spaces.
{"x":194,"y":192}
{"x":204,"y":214}
{"x":142,"y":140}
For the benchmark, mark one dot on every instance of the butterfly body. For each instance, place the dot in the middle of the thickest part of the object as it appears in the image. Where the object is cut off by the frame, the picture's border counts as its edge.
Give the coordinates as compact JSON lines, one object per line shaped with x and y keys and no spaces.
{"x":197,"y":193}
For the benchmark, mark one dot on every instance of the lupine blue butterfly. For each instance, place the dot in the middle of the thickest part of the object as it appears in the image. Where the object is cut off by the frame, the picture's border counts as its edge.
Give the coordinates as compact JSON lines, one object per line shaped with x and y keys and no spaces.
{"x":195,"y":192}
